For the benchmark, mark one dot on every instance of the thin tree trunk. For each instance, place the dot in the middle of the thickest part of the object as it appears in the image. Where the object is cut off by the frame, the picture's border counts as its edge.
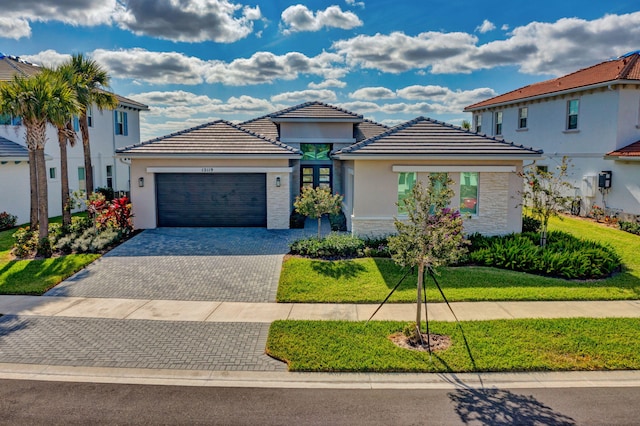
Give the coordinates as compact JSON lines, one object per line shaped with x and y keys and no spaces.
{"x":33,"y":185}
{"x":88,"y":170}
{"x":43,"y":201}
{"x":419,"y":301}
{"x":319,"y":225}
{"x":64,"y":177}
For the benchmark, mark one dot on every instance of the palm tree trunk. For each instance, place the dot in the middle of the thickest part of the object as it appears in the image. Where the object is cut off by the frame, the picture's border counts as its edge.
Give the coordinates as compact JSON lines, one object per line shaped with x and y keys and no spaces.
{"x":33,"y":185}
{"x":64,"y":177}
{"x":88,"y":170}
{"x":43,"y":202}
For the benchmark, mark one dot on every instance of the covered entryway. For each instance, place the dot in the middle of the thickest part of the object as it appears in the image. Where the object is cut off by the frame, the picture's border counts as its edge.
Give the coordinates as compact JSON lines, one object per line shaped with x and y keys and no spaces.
{"x":211,"y":200}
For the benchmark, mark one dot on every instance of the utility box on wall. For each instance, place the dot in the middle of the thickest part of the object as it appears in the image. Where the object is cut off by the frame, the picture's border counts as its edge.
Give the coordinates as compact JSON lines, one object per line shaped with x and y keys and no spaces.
{"x":604,"y":179}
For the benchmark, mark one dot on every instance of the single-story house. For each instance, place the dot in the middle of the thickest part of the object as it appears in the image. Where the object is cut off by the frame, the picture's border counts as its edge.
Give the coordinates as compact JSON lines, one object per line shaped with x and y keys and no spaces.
{"x":248,"y":174}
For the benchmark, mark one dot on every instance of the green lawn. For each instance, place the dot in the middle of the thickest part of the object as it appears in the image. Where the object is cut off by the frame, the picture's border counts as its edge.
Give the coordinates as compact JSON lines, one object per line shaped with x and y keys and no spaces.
{"x":35,"y":277}
{"x":369,"y":280}
{"x":513,"y":345}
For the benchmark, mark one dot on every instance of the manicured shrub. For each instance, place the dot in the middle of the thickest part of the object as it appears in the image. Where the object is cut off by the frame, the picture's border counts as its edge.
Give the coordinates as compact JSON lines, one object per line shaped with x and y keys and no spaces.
{"x":338,"y":221}
{"x":564,"y":255}
{"x":376,"y":247}
{"x":330,"y":247}
{"x":631,"y":227}
{"x":7,"y":221}
{"x":106,"y":192}
{"x":530,"y":224}
{"x":90,"y":240}
{"x":25,"y":242}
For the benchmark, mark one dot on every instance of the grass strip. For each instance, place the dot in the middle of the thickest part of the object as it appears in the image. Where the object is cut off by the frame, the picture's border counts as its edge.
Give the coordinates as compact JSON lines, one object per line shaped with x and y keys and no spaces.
{"x":572,"y":344}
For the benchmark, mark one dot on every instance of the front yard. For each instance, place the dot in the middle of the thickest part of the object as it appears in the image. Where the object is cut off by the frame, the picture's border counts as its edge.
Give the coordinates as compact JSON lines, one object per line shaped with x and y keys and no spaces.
{"x":35,"y":276}
{"x":369,"y":280}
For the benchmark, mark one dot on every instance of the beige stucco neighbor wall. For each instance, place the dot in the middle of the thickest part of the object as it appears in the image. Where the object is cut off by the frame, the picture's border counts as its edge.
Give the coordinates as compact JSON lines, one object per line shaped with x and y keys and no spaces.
{"x":144,"y":199}
{"x":376,"y":192}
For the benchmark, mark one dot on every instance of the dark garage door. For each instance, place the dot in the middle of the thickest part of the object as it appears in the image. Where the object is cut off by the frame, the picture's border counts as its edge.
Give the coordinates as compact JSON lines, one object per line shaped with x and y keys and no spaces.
{"x":201,"y":200}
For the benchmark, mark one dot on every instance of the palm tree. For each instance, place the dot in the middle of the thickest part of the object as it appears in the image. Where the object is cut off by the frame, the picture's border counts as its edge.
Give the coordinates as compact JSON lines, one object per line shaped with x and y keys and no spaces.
{"x":66,"y":134}
{"x":40,"y":99}
{"x":90,"y":88}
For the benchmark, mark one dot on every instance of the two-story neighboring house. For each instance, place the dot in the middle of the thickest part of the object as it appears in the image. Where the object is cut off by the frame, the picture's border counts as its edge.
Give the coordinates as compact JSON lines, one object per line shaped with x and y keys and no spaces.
{"x":591,"y":116}
{"x":108,"y":131}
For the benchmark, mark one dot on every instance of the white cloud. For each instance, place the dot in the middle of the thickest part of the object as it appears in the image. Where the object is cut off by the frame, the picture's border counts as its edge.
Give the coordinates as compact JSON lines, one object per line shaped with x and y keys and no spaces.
{"x":332,"y":82}
{"x":74,"y":12}
{"x":15,"y":28}
{"x":305,"y":96}
{"x":47,"y":58}
{"x":422,"y":92}
{"x":188,"y":20}
{"x":504,"y":27}
{"x":355,"y":3}
{"x":299,"y":18}
{"x":372,"y":93}
{"x":536,"y":48}
{"x":485,"y":27}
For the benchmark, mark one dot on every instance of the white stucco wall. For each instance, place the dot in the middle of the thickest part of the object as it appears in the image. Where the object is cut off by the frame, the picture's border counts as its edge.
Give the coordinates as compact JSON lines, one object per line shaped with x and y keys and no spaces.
{"x":607,"y":120}
{"x":14,"y":188}
{"x":315,"y":132}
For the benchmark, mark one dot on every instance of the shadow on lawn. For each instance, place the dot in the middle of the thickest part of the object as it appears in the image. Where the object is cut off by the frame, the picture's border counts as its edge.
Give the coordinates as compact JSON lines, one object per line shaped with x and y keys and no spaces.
{"x":502,"y":407}
{"x":338,"y":270}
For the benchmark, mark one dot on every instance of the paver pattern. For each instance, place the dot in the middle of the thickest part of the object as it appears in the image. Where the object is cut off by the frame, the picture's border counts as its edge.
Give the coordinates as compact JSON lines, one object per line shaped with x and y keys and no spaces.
{"x":223,"y":264}
{"x":91,"y":342}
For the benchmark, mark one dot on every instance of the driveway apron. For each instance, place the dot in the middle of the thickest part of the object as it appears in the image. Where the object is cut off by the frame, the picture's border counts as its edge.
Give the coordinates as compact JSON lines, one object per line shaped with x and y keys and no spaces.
{"x":221,"y":264}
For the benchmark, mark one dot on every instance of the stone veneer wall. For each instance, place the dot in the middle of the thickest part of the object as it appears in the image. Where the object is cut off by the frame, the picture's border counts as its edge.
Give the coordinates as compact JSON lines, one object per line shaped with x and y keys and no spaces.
{"x":278,"y":201}
{"x":493,"y":217}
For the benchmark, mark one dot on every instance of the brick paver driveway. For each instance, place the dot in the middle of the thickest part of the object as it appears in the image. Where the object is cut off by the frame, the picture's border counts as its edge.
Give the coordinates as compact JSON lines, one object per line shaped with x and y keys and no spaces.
{"x":221,"y":264}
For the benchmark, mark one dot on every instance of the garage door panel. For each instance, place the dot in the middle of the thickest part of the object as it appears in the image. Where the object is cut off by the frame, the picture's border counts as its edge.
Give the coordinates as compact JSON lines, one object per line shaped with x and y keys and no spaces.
{"x":202,"y":200}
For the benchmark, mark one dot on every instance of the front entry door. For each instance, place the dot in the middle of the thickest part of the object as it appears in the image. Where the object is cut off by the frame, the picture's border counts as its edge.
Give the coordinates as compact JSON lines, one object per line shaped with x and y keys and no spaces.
{"x":316,"y":176}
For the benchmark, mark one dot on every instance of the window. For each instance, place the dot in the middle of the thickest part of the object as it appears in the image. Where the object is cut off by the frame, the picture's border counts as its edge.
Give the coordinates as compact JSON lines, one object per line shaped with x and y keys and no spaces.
{"x":498,"y":123}
{"x":572,"y":114}
{"x":52,"y":172}
{"x":406,"y":182}
{"x":89,"y":117}
{"x":315,"y":151}
{"x":477,"y":123}
{"x":469,"y":192}
{"x":82,"y":182}
{"x":76,"y":123}
{"x":522,"y":117}
{"x":8,"y":120}
{"x":110,"y":176}
{"x":542,"y":169}
{"x":120,"y":123}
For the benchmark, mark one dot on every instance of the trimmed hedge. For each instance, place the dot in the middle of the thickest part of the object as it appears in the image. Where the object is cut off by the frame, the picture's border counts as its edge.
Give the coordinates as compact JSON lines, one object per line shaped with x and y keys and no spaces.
{"x":631,"y":227}
{"x":332,"y":246}
{"x":564,"y":256}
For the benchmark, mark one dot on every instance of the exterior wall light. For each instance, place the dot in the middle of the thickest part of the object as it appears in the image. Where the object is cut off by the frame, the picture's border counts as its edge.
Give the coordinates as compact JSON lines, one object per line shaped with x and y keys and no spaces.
{"x":141,"y":182}
{"x":278,"y":183}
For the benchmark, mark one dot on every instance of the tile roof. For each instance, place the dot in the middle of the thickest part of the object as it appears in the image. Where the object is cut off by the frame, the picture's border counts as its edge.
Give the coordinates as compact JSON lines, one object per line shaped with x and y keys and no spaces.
{"x":211,"y":139}
{"x":12,"y":149}
{"x":624,"y":68}
{"x":424,"y":136}
{"x":316,"y":111}
{"x":632,"y":150}
{"x":368,"y":129}
{"x":262,"y":126}
{"x":11,"y":65}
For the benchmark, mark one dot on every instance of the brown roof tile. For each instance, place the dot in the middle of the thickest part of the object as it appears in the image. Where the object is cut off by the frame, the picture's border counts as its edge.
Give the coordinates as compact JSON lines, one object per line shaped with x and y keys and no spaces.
{"x":216,"y":138}
{"x":368,"y":129}
{"x":632,"y":150}
{"x":424,"y":136}
{"x":317,"y":111}
{"x":262,"y":126}
{"x":623,"y":68}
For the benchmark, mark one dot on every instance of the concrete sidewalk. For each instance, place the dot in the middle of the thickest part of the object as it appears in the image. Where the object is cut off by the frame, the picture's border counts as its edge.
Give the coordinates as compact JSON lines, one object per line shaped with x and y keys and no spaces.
{"x":216,"y":311}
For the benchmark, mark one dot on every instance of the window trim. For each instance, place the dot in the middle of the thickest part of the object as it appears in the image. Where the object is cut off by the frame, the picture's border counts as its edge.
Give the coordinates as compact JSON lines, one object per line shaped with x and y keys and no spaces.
{"x":477,"y":198}
{"x":498,"y":120}
{"x":569,"y":115}
{"x":401,"y":211}
{"x":525,"y":118}
{"x":120,"y":123}
{"x":53,"y":173}
{"x":477,"y":123}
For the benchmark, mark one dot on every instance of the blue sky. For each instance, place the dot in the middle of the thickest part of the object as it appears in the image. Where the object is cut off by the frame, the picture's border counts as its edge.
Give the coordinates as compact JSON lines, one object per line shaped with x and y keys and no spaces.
{"x":194,"y":61}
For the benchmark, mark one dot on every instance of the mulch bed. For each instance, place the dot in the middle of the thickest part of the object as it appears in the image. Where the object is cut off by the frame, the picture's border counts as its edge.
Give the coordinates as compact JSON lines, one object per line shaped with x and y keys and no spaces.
{"x":438,"y":342}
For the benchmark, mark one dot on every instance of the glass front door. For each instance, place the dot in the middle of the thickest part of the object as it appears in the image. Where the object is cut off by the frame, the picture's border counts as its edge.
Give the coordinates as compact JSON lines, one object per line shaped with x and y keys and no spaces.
{"x":316,"y":176}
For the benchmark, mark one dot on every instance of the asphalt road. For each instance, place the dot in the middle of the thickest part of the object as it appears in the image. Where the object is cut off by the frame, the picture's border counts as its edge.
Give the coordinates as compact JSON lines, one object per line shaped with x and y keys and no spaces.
{"x":33,"y":402}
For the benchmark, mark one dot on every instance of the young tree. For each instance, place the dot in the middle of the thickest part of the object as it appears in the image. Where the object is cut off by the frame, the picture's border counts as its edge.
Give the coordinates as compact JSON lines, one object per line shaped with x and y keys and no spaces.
{"x":38,"y":100}
{"x":91,"y":84}
{"x":432,"y":235}
{"x":314,"y":203}
{"x":547,"y":193}
{"x":466,"y":124}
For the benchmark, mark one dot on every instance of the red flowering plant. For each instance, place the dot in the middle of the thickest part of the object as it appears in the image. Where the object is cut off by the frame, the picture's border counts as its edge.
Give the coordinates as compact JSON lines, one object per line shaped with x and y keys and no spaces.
{"x":115,"y":214}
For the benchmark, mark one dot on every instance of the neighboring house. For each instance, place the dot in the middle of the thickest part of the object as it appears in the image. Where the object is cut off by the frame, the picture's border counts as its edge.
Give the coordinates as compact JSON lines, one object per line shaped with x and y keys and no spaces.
{"x":591,"y":116}
{"x":108,"y":130}
{"x":248,"y":174}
